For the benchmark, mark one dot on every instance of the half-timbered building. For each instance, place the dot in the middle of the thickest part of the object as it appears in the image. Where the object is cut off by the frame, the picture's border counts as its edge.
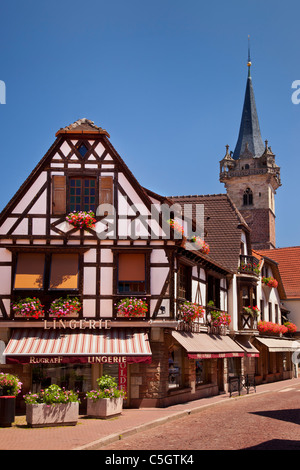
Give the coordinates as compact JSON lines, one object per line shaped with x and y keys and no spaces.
{"x":124,"y":254}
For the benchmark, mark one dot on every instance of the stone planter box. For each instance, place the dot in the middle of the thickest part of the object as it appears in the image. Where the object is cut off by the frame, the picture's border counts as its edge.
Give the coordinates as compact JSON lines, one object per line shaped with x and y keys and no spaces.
{"x":104,"y":407}
{"x":61,"y":414}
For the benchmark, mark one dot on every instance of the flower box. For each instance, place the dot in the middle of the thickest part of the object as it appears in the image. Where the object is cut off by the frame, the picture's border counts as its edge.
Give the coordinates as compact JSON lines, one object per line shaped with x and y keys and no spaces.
{"x":53,"y":406}
{"x":253,"y":311}
{"x":291,"y":327}
{"x":107,"y":400}
{"x":30,"y":307}
{"x":199,"y":244}
{"x":81,"y":219}
{"x":132,"y":307}
{"x":60,"y":414}
{"x":270,"y":328}
{"x":104,"y":407}
{"x":189,"y":311}
{"x":65,"y":307}
{"x":269,"y":281}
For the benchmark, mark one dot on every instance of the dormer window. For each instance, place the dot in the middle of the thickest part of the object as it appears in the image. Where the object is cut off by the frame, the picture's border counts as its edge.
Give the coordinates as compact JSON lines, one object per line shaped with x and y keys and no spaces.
{"x":248,"y":197}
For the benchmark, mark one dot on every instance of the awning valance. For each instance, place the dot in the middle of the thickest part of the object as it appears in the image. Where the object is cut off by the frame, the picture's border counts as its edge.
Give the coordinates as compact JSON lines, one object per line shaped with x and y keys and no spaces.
{"x":34,"y":345}
{"x":204,"y":346}
{"x":250,"y":350}
{"x":279,"y":344}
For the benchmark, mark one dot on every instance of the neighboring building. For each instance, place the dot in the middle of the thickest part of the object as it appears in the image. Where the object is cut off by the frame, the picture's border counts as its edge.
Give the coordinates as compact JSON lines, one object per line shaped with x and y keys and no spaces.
{"x":251,"y":176}
{"x":288,"y":263}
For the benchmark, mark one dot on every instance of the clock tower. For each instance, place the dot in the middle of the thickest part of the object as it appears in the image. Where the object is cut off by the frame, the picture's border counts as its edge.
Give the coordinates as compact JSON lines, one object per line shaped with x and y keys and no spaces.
{"x":251,"y":176}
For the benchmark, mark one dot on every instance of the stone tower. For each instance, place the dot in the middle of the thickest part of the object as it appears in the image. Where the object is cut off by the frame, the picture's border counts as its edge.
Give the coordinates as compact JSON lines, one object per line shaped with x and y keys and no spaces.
{"x":251,"y":176}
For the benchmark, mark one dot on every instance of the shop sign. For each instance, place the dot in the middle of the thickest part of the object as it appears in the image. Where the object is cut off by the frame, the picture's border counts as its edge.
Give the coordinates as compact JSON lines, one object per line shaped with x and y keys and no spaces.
{"x":80,"y":324}
{"x":121,"y":360}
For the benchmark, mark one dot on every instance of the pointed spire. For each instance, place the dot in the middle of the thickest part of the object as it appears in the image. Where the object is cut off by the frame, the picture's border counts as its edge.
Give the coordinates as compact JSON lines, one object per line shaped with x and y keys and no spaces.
{"x":249,"y":128}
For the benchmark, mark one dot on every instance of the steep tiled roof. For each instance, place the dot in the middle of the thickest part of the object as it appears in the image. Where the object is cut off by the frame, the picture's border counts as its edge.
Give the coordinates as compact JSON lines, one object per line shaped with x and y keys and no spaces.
{"x":288,"y":260}
{"x":222,"y":226}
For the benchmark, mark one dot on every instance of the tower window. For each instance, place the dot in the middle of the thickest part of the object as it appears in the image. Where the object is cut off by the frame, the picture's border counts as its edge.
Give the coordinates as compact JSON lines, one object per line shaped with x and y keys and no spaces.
{"x":248,"y":197}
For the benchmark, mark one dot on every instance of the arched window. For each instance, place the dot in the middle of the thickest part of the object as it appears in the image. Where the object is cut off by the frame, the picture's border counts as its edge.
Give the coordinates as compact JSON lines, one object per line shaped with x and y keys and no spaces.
{"x":248,"y":197}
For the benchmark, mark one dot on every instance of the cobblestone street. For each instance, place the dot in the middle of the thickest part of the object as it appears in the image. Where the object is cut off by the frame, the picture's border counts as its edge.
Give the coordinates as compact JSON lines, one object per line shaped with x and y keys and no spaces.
{"x":266,"y":422}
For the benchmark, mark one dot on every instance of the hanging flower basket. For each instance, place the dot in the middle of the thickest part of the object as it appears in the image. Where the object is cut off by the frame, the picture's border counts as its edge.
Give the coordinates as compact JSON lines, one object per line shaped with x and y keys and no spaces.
{"x":64,"y":307}
{"x":190,"y":311}
{"x":253,"y":311}
{"x":132,"y":307}
{"x":28,"y":308}
{"x":81,"y":219}
{"x":268,"y":327}
{"x":200,"y":245}
{"x":292,"y":328}
{"x":269,"y":281}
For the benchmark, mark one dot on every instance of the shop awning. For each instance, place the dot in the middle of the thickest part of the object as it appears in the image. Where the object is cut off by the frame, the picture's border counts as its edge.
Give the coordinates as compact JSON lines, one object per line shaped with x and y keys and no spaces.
{"x":34,"y":345}
{"x":279,"y":344}
{"x":204,"y":346}
{"x":250,"y":350}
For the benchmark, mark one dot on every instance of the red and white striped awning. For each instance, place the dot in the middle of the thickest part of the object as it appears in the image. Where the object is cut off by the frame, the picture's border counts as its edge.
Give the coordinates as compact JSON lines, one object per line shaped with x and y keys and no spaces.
{"x":27,"y":345}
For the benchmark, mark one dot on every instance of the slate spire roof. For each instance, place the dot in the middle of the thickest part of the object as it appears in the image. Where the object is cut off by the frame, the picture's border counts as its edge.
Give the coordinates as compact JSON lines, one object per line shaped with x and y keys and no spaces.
{"x":249,"y":139}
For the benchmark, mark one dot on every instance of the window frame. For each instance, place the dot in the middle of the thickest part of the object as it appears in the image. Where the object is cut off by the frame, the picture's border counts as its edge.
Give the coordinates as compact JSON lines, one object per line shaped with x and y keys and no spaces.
{"x":82,"y":178}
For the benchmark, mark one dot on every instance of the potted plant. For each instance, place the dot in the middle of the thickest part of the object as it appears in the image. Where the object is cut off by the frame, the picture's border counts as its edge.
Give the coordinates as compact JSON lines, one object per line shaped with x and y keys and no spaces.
{"x":132,"y":307}
{"x":10,"y":386}
{"x":64,"y":307}
{"x":189,"y":311}
{"x":269,"y":281}
{"x":30,"y":307}
{"x":53,"y":406}
{"x":107,"y":401}
{"x":178,"y":231}
{"x":81,"y":219}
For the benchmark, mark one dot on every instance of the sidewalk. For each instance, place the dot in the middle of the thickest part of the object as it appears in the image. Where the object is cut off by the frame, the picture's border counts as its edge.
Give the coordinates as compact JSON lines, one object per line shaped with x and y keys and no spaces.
{"x":93,"y":433}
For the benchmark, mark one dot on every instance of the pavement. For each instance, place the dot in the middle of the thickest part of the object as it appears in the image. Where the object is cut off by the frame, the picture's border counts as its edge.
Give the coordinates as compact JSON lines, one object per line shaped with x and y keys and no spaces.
{"x":92,"y":434}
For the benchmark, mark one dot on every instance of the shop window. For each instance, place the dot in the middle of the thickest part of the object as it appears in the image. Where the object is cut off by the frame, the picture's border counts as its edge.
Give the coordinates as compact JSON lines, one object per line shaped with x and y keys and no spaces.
{"x":75,"y":377}
{"x":175,"y":369}
{"x":202,"y":372}
{"x":64,"y":272}
{"x":184,"y":282}
{"x":82,"y":194}
{"x":29,"y":271}
{"x":131,"y":273}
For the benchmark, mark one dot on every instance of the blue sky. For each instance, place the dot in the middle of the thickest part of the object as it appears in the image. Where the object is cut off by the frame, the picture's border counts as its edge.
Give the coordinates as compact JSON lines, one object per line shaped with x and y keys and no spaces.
{"x":165,"y":78}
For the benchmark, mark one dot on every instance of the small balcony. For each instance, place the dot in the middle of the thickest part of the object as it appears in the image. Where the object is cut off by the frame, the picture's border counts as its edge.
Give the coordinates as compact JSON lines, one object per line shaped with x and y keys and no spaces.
{"x":249,"y":265}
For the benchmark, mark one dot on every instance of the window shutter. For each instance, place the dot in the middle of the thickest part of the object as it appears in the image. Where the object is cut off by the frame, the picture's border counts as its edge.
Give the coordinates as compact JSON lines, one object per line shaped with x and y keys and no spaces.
{"x":106,"y":190}
{"x":58,"y":194}
{"x":131,"y":267}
